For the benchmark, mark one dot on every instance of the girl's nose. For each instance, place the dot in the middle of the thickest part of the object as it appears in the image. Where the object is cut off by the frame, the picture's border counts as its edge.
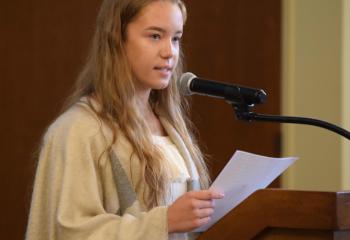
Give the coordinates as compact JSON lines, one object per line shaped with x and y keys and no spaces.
{"x":168,"y":49}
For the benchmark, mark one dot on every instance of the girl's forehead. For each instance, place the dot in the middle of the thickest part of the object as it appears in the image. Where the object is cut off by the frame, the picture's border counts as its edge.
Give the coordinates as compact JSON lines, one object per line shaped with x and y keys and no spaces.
{"x":160,"y":13}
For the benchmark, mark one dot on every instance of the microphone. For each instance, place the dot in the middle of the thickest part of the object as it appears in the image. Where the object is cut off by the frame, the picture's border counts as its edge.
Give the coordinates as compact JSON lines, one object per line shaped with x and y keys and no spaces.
{"x":190,"y":84}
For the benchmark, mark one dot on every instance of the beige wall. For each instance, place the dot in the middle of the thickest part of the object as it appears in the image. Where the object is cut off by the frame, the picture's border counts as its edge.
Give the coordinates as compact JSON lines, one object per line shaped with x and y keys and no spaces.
{"x":315,"y":84}
{"x":346,"y":93}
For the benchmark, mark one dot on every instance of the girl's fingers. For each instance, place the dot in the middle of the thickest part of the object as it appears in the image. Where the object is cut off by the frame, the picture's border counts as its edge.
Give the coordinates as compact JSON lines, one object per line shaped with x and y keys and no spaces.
{"x":204,"y":212}
{"x":208,"y":195}
{"x":204,"y":204}
{"x":200,"y":221}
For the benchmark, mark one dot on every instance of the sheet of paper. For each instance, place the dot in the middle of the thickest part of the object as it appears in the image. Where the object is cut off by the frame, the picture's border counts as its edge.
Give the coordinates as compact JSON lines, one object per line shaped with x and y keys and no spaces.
{"x":243,"y":175}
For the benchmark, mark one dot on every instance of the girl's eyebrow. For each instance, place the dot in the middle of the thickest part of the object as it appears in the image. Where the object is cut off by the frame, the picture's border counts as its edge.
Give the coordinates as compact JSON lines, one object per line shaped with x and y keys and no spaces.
{"x":159,"y":29}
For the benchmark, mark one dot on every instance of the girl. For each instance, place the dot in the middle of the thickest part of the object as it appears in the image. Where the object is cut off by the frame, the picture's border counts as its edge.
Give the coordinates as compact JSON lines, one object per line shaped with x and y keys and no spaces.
{"x":120,"y":162}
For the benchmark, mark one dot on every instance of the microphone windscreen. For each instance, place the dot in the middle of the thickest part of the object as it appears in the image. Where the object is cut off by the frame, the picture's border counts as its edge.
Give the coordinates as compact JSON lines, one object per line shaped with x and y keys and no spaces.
{"x":184,"y":82}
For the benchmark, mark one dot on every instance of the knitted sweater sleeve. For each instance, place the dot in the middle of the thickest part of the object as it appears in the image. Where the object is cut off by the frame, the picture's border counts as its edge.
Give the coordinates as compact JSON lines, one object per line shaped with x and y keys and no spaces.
{"x":68,"y":197}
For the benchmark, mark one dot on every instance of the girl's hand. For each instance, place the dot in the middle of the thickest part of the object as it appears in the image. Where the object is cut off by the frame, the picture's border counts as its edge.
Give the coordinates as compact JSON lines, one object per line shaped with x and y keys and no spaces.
{"x":191,"y":210}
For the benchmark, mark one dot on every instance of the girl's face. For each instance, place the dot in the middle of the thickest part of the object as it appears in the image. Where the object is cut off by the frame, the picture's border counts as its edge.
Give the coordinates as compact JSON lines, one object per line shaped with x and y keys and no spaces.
{"x":153,"y":44}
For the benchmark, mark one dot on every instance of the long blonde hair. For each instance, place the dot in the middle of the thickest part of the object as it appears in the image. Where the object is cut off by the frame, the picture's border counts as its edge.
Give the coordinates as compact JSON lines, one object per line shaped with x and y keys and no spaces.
{"x":107,"y":77}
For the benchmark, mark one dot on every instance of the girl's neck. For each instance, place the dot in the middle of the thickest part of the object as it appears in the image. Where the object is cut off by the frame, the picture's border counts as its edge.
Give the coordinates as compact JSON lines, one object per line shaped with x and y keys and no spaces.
{"x":142,"y":98}
{"x":149,"y":115}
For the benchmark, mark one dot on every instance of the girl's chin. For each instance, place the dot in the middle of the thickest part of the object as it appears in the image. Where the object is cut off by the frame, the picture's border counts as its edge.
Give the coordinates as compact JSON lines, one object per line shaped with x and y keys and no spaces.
{"x":162,"y":85}
{"x":159,"y":84}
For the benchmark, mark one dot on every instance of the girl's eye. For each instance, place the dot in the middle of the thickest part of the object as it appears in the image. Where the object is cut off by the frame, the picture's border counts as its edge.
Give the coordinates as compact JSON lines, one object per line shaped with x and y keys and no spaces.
{"x":176,"y":39}
{"x":155,"y":36}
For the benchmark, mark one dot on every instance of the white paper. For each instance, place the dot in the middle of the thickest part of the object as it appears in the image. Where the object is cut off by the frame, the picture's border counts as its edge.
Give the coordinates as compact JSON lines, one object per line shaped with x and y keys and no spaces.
{"x":243,"y":175}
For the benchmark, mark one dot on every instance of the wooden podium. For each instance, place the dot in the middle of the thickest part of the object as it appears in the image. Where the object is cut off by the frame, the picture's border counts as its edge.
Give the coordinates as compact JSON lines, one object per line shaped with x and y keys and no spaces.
{"x":286,"y":215}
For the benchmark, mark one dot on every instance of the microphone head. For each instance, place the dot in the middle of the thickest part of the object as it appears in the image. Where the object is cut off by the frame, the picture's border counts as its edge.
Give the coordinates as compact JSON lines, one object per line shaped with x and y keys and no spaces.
{"x":184,"y":82}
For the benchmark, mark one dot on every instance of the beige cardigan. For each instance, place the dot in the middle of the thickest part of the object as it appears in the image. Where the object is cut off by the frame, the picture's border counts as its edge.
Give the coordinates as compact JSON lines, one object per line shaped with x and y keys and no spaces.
{"x":77,"y":194}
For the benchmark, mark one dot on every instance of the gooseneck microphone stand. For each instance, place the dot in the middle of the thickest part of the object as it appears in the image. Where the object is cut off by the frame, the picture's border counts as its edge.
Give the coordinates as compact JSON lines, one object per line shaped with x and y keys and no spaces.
{"x":243,"y":112}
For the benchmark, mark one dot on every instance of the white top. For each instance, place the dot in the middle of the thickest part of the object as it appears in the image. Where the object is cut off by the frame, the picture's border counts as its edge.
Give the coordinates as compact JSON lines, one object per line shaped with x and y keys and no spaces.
{"x":175,"y":166}
{"x":177,"y":170}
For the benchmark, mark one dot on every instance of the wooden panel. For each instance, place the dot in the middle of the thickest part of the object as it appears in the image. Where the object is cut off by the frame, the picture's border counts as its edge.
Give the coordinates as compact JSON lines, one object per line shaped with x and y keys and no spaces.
{"x":42,"y":46}
{"x":236,"y":41}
